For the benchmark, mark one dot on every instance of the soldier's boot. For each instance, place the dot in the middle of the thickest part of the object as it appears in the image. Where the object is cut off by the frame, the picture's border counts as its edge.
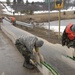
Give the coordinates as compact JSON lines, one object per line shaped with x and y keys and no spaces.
{"x":73,"y":57}
{"x":70,"y":44}
{"x":28,"y":65}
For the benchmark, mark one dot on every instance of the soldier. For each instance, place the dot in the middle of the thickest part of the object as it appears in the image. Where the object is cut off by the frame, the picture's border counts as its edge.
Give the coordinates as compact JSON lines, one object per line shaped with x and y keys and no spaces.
{"x":26,"y":45}
{"x":13,"y":20}
{"x":68,"y":37}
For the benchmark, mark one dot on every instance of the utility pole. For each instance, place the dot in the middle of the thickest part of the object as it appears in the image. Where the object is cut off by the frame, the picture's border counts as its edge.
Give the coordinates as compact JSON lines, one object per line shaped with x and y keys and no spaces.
{"x":27,"y":2}
{"x":48,"y":2}
{"x":8,"y":2}
{"x":20,"y":1}
{"x":49,"y":16}
{"x":14,"y":2}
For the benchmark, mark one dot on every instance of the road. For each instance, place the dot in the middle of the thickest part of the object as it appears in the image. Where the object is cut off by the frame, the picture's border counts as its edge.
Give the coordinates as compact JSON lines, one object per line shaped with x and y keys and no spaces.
{"x":62,"y":22}
{"x":11,"y":60}
{"x":54,"y":54}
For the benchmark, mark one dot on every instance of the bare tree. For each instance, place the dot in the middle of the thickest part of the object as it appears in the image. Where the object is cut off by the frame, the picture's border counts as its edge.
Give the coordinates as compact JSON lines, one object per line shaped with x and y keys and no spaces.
{"x":27,"y":2}
{"x":20,"y":2}
{"x":74,"y":3}
{"x":14,"y":2}
{"x":8,"y":2}
{"x":68,"y":2}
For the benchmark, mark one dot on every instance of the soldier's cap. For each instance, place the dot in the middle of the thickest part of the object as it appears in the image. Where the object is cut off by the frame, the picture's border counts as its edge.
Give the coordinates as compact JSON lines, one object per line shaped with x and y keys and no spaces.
{"x":39,"y":43}
{"x":73,"y":28}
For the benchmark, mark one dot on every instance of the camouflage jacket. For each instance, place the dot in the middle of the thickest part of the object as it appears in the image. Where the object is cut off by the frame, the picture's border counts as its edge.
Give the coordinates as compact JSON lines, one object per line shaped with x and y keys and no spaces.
{"x":28,"y":42}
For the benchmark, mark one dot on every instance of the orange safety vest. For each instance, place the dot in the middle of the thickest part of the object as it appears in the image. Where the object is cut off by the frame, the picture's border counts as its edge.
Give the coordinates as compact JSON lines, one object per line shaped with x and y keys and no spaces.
{"x":71,"y":34}
{"x":12,"y":18}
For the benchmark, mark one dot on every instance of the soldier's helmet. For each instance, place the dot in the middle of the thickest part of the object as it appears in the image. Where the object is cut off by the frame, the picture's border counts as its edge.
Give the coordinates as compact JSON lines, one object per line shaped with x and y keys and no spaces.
{"x":39,"y":43}
{"x":73,"y":28}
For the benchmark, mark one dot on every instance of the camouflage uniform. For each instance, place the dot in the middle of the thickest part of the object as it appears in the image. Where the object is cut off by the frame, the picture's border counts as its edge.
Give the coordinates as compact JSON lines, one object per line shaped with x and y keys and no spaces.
{"x":25,"y":46}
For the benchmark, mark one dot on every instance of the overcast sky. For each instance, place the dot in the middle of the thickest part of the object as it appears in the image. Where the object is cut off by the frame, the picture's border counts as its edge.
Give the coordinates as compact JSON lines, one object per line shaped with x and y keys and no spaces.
{"x":28,"y":0}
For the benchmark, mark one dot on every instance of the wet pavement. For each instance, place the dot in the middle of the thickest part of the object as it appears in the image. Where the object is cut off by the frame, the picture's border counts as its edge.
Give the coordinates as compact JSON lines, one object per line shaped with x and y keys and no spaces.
{"x":11,"y":60}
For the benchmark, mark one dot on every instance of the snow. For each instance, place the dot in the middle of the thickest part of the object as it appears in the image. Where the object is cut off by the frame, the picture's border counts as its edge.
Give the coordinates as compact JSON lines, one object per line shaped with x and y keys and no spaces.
{"x":55,"y":28}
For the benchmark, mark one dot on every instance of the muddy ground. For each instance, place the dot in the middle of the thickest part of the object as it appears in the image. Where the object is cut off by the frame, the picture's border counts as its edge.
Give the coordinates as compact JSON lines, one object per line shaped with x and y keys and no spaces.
{"x":48,"y":35}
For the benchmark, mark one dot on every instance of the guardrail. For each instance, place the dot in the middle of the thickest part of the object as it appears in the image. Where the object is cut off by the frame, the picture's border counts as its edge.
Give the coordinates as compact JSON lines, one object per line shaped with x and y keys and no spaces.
{"x":21,"y":23}
{"x":24,"y":24}
{"x":7,"y":19}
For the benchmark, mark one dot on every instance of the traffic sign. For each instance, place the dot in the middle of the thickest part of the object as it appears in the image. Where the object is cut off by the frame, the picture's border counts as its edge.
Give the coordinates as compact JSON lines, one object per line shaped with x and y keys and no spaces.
{"x":59,"y":4}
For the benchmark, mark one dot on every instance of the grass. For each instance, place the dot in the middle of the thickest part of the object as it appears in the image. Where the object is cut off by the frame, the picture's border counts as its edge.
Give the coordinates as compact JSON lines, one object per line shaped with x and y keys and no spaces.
{"x":44,"y":17}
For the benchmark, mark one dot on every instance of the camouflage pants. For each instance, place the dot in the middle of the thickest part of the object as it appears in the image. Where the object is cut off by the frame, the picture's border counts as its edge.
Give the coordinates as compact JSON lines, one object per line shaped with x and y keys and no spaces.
{"x":23,"y":50}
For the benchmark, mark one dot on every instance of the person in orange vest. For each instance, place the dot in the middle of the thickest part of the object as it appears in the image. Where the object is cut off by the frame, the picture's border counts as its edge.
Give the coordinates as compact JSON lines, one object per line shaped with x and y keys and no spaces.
{"x":13,"y":20}
{"x":68,"y":36}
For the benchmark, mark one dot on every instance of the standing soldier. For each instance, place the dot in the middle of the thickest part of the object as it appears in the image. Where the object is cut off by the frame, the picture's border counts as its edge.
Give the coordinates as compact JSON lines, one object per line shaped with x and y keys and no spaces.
{"x":68,"y":37}
{"x":13,"y":20}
